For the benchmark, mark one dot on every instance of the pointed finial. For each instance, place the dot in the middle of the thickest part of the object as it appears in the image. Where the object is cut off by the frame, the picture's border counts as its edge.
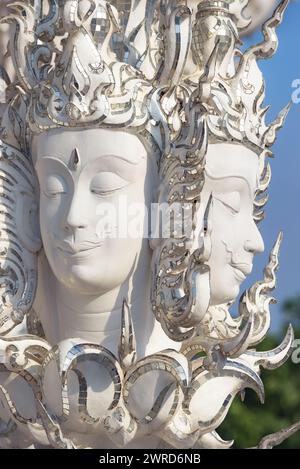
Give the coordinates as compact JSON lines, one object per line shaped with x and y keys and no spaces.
{"x":276,"y":125}
{"x":127,"y":345}
{"x":268,"y":47}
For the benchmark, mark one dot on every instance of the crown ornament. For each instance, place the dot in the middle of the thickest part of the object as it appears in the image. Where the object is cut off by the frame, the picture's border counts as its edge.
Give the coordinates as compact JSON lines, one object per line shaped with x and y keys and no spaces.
{"x":66,"y":66}
{"x":68,"y":69}
{"x":231,"y":86}
{"x":78,"y":66}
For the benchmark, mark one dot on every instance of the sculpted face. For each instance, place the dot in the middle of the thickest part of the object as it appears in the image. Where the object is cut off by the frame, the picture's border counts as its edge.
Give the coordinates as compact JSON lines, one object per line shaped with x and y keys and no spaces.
{"x":232,"y":175}
{"x":85,"y":176}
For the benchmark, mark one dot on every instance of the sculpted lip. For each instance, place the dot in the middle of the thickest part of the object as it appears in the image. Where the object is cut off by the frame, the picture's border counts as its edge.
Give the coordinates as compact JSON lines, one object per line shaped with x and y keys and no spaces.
{"x":79,"y":250}
{"x":242,"y":270}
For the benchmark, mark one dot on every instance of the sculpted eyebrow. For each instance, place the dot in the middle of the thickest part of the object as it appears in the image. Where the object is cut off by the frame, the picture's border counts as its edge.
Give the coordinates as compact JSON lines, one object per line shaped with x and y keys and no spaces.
{"x":228,"y":176}
{"x":126,"y":159}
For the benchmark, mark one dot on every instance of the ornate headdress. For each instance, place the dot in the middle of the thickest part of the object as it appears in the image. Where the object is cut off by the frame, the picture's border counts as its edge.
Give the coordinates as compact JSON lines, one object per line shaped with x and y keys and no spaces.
{"x":77,"y":68}
{"x":68,"y":70}
{"x":231,"y":87}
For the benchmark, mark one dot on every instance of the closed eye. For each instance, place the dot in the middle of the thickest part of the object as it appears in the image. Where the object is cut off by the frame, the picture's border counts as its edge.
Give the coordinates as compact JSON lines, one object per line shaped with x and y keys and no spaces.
{"x":54,"y":186}
{"x":106,"y":183}
{"x":232,"y":201}
{"x":232,"y":209}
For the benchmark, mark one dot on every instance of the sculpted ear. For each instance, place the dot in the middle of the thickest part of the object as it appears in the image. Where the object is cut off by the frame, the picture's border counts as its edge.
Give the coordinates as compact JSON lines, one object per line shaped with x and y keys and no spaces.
{"x":19,"y":241}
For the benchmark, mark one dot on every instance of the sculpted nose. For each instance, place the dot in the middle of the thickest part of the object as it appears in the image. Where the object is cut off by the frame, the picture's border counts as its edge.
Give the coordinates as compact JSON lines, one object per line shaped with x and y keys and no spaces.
{"x":75,"y":223}
{"x":255,"y":242}
{"x":76,"y":216}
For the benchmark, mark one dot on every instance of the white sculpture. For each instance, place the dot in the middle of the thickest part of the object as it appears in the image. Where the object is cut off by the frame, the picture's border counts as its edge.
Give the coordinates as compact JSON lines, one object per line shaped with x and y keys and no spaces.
{"x":101,"y":331}
{"x":258,"y":11}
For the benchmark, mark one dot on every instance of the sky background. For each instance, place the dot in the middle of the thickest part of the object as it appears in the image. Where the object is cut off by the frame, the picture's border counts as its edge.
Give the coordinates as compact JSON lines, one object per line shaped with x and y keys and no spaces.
{"x":283,"y":209}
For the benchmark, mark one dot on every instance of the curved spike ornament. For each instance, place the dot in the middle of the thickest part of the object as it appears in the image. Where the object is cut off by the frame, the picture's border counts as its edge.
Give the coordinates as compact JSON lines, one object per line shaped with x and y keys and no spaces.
{"x":256,"y":300}
{"x":167,"y":364}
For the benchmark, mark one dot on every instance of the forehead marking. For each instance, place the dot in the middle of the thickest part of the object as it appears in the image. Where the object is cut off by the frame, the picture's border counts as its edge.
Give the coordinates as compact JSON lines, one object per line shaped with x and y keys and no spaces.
{"x":75,"y":161}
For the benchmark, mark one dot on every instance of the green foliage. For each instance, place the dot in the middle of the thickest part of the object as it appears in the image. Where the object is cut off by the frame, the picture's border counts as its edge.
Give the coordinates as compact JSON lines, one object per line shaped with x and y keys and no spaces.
{"x":292,"y":309}
{"x":248,"y":422}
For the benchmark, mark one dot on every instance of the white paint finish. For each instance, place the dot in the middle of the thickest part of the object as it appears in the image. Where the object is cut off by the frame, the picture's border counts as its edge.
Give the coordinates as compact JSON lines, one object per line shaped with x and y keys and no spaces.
{"x":140,"y":348}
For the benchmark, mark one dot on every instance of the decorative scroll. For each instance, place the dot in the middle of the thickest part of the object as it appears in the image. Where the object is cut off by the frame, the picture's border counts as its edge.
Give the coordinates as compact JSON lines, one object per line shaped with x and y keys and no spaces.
{"x":18,"y":241}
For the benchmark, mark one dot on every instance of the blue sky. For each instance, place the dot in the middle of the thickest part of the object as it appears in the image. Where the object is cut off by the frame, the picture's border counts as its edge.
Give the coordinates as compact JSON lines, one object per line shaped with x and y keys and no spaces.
{"x":283,"y":211}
